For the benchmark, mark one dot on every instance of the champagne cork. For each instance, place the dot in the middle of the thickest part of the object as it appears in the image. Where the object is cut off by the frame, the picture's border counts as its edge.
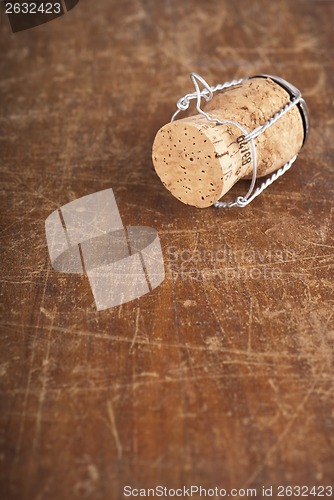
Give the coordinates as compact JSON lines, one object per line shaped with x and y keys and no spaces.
{"x":199,"y":160}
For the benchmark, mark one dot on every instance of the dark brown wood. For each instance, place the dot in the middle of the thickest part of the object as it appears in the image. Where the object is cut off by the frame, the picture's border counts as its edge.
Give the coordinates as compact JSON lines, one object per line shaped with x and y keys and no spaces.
{"x":222,"y":376}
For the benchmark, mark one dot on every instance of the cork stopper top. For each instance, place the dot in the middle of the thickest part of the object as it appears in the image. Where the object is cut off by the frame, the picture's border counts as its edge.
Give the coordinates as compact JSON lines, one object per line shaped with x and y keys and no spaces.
{"x":189,"y":166}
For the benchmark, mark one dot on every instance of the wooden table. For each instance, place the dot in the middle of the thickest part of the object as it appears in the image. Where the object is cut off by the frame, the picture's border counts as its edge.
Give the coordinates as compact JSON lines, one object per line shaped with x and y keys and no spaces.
{"x":222,"y":376}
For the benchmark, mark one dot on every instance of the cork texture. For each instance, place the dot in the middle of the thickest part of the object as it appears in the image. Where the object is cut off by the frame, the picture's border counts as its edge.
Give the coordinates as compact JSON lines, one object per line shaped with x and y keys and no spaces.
{"x":199,"y":161}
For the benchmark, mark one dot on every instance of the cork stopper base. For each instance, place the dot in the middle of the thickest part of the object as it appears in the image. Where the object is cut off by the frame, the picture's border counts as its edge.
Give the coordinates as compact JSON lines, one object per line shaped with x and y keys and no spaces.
{"x":251,"y":105}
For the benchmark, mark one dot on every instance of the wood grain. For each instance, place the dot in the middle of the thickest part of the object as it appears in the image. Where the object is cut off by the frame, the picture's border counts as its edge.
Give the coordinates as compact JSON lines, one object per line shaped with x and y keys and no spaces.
{"x":224,"y":374}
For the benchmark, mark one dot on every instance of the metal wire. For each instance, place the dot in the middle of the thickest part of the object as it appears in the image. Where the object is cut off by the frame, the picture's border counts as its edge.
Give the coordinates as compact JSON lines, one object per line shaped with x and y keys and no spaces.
{"x":207,"y":93}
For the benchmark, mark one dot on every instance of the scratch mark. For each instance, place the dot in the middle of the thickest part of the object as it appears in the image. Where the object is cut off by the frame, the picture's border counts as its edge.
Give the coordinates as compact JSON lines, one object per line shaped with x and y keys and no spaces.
{"x":277,"y":401}
{"x":180,"y":356}
{"x":214,"y":314}
{"x":167,"y":345}
{"x":114,"y":430}
{"x":120,"y":310}
{"x":250,"y":321}
{"x":136,"y":332}
{"x":93,"y":472}
{"x":44,"y":376}
{"x":282,"y":436}
{"x":30,"y":370}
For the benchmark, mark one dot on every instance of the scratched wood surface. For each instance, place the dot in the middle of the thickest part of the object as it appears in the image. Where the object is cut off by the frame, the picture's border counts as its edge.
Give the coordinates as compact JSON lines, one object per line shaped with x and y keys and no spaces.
{"x":222,"y":376}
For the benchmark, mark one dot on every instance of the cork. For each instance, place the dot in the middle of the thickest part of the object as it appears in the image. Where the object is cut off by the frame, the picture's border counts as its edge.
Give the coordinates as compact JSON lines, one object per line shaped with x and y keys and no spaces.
{"x":199,"y":161}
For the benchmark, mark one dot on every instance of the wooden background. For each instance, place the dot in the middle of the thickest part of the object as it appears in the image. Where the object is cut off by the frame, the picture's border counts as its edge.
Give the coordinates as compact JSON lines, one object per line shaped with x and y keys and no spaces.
{"x":222,"y":376}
